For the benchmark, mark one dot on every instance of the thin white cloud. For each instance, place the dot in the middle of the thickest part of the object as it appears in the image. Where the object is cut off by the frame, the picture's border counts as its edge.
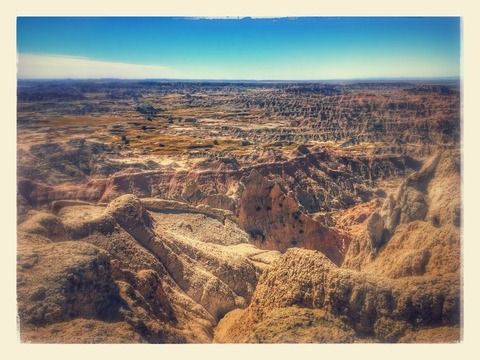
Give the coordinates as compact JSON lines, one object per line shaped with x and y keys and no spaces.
{"x":34,"y":66}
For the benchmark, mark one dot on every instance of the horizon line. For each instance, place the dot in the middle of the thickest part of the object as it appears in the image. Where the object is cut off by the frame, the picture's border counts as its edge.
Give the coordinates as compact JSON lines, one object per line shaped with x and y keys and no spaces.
{"x":413,"y":78}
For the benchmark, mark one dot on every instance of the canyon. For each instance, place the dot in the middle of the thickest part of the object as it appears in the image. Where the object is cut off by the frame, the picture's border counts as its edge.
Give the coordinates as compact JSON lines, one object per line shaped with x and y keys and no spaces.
{"x":238,"y":212}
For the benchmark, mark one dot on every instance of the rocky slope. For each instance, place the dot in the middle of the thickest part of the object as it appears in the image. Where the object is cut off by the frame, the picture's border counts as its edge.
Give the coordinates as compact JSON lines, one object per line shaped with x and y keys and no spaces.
{"x":275,"y":202}
{"x":400,"y":277}
{"x":352,"y":306}
{"x":417,"y":229}
{"x":133,"y":267}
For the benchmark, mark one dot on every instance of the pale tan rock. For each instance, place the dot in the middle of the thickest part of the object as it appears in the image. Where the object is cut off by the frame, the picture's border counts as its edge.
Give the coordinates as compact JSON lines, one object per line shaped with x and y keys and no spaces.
{"x":370,"y":305}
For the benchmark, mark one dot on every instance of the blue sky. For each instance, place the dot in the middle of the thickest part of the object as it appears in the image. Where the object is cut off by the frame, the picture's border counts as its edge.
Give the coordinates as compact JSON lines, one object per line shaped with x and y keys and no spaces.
{"x":268,"y":49}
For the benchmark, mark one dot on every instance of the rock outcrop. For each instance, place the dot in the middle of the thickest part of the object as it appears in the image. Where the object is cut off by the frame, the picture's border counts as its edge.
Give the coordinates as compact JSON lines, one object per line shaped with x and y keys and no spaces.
{"x":416,"y":232}
{"x":169,"y":286}
{"x":65,"y":280}
{"x":275,"y":220}
{"x":370,"y":307}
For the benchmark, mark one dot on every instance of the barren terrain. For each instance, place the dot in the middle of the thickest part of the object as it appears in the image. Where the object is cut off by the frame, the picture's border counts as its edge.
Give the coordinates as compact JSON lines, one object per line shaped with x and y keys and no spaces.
{"x":184,"y":212}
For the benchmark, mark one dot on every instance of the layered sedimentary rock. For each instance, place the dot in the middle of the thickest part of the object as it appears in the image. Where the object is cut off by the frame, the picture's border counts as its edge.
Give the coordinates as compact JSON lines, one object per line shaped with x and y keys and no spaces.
{"x":275,"y":202}
{"x":401,"y":274}
{"x":198,"y":212}
{"x":417,"y":229}
{"x":163,"y":284}
{"x":275,"y":220}
{"x":352,"y":305}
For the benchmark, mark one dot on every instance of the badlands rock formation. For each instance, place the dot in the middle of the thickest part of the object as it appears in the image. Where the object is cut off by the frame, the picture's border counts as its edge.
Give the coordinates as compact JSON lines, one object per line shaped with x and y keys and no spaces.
{"x":213,"y":212}
{"x":152,"y":272}
{"x":406,"y":278}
